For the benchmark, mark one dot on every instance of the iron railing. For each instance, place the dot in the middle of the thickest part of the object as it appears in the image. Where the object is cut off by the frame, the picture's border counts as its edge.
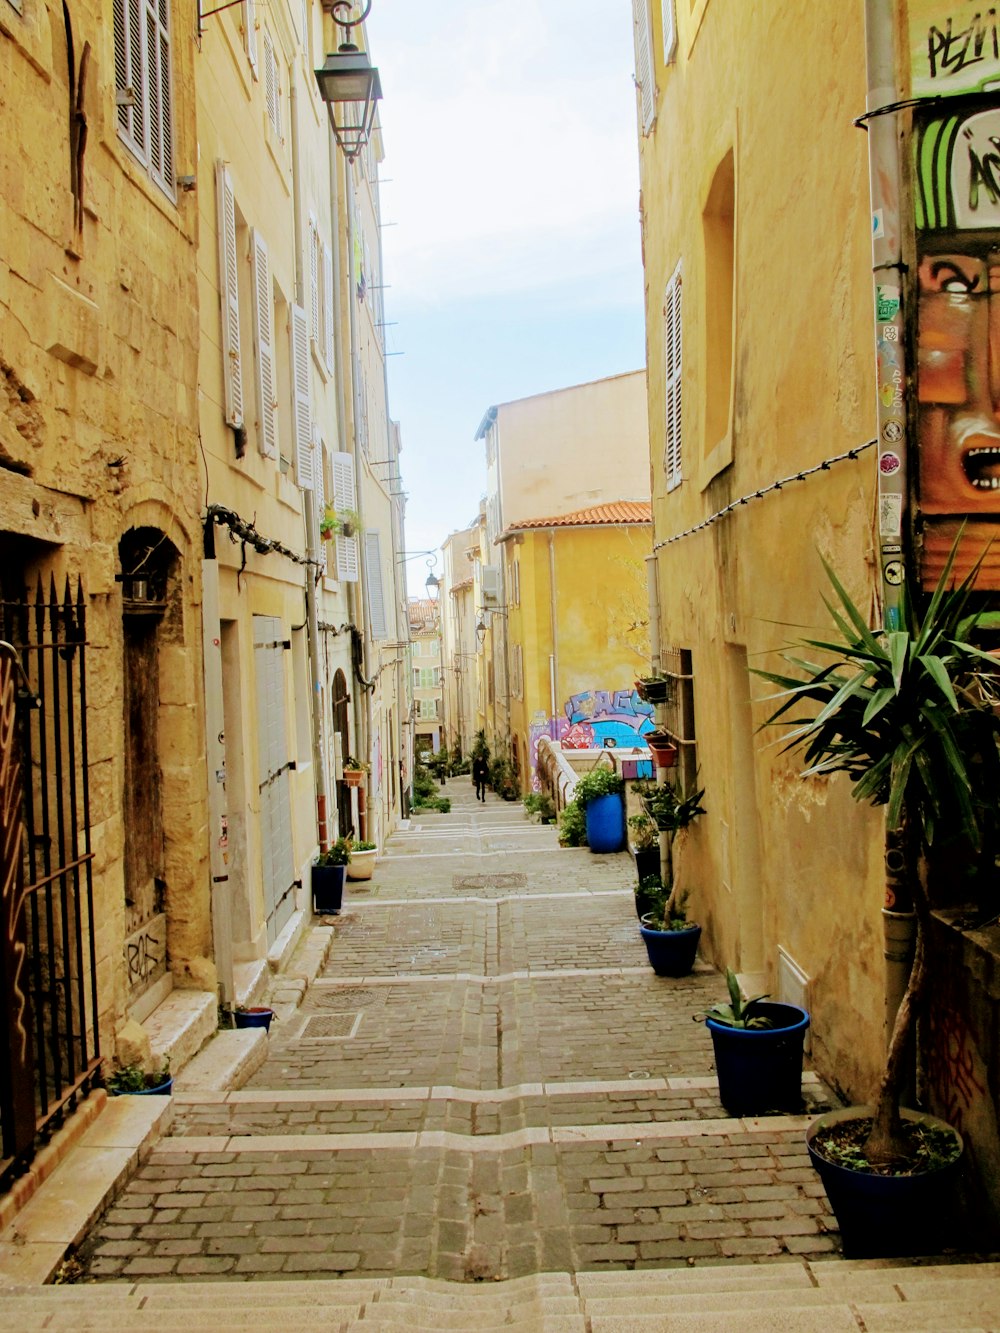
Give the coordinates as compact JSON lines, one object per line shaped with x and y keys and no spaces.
{"x":50,"y":1054}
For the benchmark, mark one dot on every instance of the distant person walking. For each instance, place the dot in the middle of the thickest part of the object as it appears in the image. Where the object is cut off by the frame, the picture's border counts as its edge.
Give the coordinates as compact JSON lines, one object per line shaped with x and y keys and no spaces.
{"x":480,"y":772}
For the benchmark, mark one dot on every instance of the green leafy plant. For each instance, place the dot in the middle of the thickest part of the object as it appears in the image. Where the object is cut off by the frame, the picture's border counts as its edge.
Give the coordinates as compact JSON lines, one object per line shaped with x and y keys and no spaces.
{"x":479,"y":746}
{"x":644,"y":832}
{"x":133,"y":1078}
{"x":909,"y":715}
{"x":598,"y":782}
{"x":650,"y":896}
{"x":502,"y":778}
{"x":361,"y":846}
{"x":664,"y":914}
{"x":737,"y":1013}
{"x":337,"y":855}
{"x":572,"y":825}
{"x":356,"y":765}
{"x":673,"y":812}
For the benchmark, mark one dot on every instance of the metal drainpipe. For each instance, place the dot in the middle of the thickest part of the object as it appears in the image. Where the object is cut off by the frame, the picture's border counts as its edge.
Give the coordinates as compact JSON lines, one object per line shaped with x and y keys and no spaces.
{"x":553,"y":635}
{"x":898,"y":919}
{"x":653,"y":596}
{"x":310,"y":520}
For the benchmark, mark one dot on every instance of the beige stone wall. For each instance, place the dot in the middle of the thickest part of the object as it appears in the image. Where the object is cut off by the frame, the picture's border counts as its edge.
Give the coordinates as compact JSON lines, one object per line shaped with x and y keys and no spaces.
{"x":98,"y":428}
{"x":753,"y":140}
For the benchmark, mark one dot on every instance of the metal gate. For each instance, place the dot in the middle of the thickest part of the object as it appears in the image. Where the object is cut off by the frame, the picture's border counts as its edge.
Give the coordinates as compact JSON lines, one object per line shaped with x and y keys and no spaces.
{"x":277,"y":860}
{"x":49,"y":1051}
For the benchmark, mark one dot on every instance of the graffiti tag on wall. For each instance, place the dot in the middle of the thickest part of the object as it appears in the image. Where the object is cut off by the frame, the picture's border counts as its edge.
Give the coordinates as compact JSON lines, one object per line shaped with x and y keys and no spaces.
{"x":954,"y":46}
{"x":593,"y":719}
{"x":146,"y":955}
{"x":957,"y":1075}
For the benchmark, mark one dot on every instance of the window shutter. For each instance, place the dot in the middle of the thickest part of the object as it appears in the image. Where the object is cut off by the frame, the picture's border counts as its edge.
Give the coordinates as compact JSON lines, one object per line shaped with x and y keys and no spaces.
{"x":328,"y":307}
{"x":301,"y":410}
{"x":271,"y":87}
{"x":344,"y":493}
{"x":263,"y":309}
{"x":130,"y":87}
{"x":346,"y":561}
{"x":674,"y":365}
{"x":232,"y":373}
{"x":669,"y":31}
{"x":250,"y":27}
{"x":319,"y":489}
{"x":373,"y":579}
{"x":158,"y":89}
{"x":314,"y":282}
{"x":644,"y":63}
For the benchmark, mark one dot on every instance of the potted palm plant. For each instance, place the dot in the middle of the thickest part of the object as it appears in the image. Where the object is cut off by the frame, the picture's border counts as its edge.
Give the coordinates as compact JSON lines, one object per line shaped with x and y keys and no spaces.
{"x":671,"y":940}
{"x":328,"y":872}
{"x":907,"y":713}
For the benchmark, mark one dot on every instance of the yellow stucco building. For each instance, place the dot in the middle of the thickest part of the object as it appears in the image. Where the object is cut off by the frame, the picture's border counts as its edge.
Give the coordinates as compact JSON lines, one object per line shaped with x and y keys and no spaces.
{"x":757,"y":246}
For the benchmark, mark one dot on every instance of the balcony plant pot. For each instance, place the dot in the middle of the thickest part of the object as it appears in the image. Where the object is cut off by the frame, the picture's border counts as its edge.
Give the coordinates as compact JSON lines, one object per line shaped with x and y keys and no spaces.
{"x":653,"y":691}
{"x":258,"y":1016}
{"x":647,"y":861}
{"x":132,"y":1081}
{"x":760,"y":1069}
{"x":671,"y":952}
{"x":885,"y":1216}
{"x":605,"y":816}
{"x":328,"y":888}
{"x":362,"y":863}
{"x":354,"y":777}
{"x":662,"y":748}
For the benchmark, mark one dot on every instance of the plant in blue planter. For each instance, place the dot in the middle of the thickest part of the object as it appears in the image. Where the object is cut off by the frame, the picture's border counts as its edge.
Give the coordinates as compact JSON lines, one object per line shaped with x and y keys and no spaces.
{"x":671,"y":940}
{"x":600,"y":794}
{"x":134,"y":1081}
{"x":328,"y":873}
{"x":758,"y":1052}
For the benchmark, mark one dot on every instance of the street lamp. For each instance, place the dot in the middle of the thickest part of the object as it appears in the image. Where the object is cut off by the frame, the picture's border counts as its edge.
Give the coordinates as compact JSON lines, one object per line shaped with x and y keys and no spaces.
{"x":349,"y":82}
{"x":433,"y":585}
{"x":481,"y":630}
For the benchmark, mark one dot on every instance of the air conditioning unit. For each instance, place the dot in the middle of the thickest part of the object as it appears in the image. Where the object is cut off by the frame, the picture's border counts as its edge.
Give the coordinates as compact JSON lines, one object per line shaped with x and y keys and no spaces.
{"x":490,"y":582}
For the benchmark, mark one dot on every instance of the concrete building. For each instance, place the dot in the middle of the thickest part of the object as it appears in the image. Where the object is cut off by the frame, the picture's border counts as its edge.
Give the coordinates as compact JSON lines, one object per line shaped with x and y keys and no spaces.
{"x":102,"y":747}
{"x":567,"y":486}
{"x":458,"y":637}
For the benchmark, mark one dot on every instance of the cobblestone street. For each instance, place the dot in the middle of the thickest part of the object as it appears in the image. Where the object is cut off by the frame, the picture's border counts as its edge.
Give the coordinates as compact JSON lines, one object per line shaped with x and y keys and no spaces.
{"x":486,"y":1081}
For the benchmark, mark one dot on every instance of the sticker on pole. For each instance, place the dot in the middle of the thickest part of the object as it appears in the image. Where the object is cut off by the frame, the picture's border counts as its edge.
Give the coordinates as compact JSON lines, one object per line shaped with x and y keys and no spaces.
{"x":886,"y":302}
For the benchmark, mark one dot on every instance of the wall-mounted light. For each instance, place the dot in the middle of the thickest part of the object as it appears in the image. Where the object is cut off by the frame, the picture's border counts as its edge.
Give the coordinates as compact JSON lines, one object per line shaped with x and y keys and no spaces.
{"x":350,"y":86}
{"x":481,"y":630}
{"x":433,"y":586}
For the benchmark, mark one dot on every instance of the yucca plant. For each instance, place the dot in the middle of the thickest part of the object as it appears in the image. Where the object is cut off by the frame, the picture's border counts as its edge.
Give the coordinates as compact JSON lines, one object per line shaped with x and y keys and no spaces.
{"x":909,"y":714}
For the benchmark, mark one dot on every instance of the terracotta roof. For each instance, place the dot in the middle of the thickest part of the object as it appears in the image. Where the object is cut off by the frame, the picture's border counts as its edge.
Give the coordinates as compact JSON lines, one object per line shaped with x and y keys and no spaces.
{"x":465,"y":583}
{"x":619,"y":511}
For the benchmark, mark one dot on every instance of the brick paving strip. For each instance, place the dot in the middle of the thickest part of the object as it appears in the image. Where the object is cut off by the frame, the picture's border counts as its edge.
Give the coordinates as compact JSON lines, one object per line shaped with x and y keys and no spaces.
{"x":487,"y":1082}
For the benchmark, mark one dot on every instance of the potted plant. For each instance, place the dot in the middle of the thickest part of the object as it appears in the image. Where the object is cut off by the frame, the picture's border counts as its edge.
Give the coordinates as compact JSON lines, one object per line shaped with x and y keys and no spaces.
{"x":362,"y":862}
{"x":671,"y":940}
{"x":253,"y":1016}
{"x":354,"y":771}
{"x":645,"y":845}
{"x":907,"y":714}
{"x":572,"y":825}
{"x":655,"y":689}
{"x":662,"y":747}
{"x":133,"y":1081}
{"x":328,"y":872}
{"x":758,"y":1047}
{"x":600,"y":795}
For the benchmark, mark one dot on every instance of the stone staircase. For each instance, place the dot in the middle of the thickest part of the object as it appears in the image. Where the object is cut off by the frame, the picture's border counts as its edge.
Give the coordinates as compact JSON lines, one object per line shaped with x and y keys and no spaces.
{"x":791,"y":1297}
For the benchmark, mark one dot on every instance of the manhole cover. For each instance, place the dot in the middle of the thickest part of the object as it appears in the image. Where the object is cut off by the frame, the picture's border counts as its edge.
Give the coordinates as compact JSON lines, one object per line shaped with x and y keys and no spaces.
{"x":330,"y":1027}
{"x":350,"y":998}
{"x":470,"y":883}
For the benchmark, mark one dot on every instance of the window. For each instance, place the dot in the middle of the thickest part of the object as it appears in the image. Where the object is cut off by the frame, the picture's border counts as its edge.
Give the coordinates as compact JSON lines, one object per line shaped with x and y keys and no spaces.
{"x":373,"y":578}
{"x":515,"y":583}
{"x":142,"y":85}
{"x":719,"y":232}
{"x":250,"y":33}
{"x":644,"y":80}
{"x":516,"y":671}
{"x":669,"y":31}
{"x":263,"y":309}
{"x":272,"y":87}
{"x":302,"y":407}
{"x":428,"y":678}
{"x":428,"y":707}
{"x":320,"y":297}
{"x":673,"y":373}
{"x":346,"y":557}
{"x":229,"y":293}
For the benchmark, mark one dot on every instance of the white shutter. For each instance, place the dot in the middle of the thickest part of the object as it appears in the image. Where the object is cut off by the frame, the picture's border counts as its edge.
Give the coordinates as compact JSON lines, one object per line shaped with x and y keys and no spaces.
{"x":373,"y":580}
{"x":344,"y":493}
{"x":346,"y":564}
{"x":328,"y":307}
{"x":669,"y":31}
{"x":160,"y":130}
{"x":673,"y":376}
{"x":263,"y":309}
{"x":272,"y":92}
{"x":319,"y":489}
{"x":314,"y":282}
{"x":130,"y":84}
{"x":644,"y":63}
{"x":250,"y":27}
{"x":301,"y":410}
{"x":230,"y":298}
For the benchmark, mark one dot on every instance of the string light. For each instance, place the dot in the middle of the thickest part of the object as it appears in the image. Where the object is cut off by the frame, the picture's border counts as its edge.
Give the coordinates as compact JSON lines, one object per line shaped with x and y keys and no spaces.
{"x":766,"y":490}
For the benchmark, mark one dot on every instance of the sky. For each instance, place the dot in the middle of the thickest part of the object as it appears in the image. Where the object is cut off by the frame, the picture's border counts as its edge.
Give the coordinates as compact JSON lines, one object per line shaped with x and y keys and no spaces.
{"x":510,"y":208}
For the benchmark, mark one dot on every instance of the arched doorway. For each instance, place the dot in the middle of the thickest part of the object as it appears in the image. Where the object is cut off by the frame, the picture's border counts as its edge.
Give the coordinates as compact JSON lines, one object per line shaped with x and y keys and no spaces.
{"x":339,"y":709}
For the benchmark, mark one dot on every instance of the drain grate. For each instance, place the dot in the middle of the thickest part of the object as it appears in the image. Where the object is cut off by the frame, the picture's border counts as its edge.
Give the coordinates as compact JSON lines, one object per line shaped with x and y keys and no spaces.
{"x":470,"y":883}
{"x":346,"y":998}
{"x":330,"y":1027}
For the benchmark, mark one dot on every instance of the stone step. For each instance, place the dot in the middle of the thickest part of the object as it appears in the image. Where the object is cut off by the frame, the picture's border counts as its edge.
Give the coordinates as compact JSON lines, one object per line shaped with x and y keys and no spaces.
{"x":229,"y":1059}
{"x":180,"y":1026}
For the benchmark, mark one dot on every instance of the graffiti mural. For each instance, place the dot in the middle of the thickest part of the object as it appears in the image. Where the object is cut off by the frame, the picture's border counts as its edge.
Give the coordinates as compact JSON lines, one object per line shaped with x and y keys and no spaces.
{"x":957,"y":216}
{"x":954,"y":47}
{"x":594,"y":719}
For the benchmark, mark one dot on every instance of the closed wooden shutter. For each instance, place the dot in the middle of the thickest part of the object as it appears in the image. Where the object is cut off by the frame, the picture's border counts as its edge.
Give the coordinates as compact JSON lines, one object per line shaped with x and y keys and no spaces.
{"x":267,"y":421}
{"x":319,"y":488}
{"x":314,"y":304}
{"x":373,"y":581}
{"x":644,"y":78}
{"x":328,"y":307}
{"x":347,"y":563}
{"x":673,"y":368}
{"x":230,"y":298}
{"x":250,"y":33}
{"x":669,"y":31}
{"x":272,"y":87}
{"x":160,"y":131}
{"x":130,"y":86}
{"x":301,"y":408}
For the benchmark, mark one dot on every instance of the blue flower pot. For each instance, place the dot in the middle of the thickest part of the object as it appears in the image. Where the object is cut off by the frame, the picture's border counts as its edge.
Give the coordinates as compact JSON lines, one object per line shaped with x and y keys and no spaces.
{"x":671,"y":952}
{"x":605,"y":817}
{"x":254,"y":1018}
{"x":328,"y":889}
{"x":163,"y":1089}
{"x":760,"y":1069}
